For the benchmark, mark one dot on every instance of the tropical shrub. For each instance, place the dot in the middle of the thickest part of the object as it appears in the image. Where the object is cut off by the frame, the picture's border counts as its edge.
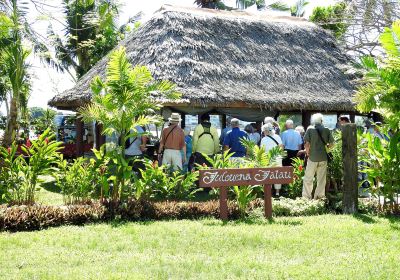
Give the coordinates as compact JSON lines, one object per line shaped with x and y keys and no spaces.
{"x":296,"y":187}
{"x":11,"y":175}
{"x":21,"y":176}
{"x":380,"y":87}
{"x":382,"y":167}
{"x":125,"y":100}
{"x":335,"y":166}
{"x":76,"y":180}
{"x":84,"y":179}
{"x":157,"y":183}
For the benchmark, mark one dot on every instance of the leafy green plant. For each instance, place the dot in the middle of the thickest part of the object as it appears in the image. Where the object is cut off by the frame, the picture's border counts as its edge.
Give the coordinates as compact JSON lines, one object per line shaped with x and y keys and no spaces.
{"x":77,"y":180}
{"x":22,"y":176}
{"x":335,"y":166}
{"x":258,"y":157}
{"x":11,"y":175}
{"x":331,"y":18}
{"x":383,"y":166}
{"x":156,"y":182}
{"x":296,"y":187}
{"x":125,"y":100}
{"x":380,"y":87}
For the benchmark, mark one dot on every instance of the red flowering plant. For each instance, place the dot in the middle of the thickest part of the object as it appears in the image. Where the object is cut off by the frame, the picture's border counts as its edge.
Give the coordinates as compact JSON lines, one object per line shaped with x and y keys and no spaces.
{"x":296,"y":187}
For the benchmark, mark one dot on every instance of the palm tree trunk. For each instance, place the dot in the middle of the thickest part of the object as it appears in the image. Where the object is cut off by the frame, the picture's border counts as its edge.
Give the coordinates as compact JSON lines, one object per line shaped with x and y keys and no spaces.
{"x":11,"y":127}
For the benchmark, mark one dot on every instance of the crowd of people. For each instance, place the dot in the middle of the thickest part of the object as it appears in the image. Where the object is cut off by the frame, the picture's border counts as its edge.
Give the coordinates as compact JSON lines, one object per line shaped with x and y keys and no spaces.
{"x":183,"y":149}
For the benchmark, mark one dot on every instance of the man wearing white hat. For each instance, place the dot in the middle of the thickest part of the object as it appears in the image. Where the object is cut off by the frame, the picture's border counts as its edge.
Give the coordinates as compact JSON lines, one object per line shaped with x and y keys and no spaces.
{"x":172,"y":142}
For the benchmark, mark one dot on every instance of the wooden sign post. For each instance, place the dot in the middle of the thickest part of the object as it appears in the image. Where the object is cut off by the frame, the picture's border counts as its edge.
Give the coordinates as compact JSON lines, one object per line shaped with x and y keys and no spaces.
{"x":223,"y":178}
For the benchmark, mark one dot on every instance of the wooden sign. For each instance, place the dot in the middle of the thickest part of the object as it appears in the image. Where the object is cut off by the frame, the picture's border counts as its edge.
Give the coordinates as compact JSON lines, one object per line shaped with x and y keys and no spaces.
{"x":222,"y":178}
{"x":211,"y":178}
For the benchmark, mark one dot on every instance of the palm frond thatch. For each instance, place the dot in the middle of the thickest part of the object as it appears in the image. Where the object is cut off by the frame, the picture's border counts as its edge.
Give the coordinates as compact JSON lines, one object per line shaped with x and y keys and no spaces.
{"x":220,"y":58}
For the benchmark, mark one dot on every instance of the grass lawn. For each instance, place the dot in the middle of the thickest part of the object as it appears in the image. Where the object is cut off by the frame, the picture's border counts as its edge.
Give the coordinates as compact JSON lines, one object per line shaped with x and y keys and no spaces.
{"x":319,"y":247}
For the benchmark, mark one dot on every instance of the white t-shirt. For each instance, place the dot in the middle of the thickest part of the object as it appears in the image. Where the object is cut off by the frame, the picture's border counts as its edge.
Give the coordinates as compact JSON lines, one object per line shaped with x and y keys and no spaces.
{"x":134,"y":148}
{"x":268,"y":143}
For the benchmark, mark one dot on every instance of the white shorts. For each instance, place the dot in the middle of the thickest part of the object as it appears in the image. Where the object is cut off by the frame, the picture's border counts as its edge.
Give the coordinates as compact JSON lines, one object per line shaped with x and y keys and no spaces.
{"x":172,"y":158}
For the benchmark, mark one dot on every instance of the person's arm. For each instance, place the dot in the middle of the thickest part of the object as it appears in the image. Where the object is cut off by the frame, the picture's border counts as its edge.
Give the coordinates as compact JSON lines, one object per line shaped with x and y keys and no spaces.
{"x":307,"y":139}
{"x":299,"y":142}
{"x":184,"y":159}
{"x":283,"y":140}
{"x":280,"y":142}
{"x":307,"y":148}
{"x":144,"y":142}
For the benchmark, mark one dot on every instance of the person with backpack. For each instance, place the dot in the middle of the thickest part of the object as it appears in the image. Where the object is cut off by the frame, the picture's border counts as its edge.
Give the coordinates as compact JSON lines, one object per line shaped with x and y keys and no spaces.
{"x":205,"y":141}
{"x":318,"y":140}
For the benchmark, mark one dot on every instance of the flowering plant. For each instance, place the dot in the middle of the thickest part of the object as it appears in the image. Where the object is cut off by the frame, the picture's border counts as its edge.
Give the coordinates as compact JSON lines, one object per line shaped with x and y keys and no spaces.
{"x":296,"y":187}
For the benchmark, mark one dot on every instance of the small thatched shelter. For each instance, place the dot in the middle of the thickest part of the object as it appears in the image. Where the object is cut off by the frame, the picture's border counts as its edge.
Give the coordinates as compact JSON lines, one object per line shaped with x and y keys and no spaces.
{"x":235,"y":63}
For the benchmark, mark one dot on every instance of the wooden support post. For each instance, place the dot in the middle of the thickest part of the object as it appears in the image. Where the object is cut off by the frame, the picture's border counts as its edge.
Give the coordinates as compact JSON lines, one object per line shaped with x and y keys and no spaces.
{"x":268,"y":201}
{"x":306,"y":119}
{"x":352,"y":117}
{"x":183,"y":122}
{"x":223,"y":120}
{"x":349,"y":152}
{"x":79,"y":136}
{"x":223,"y":203}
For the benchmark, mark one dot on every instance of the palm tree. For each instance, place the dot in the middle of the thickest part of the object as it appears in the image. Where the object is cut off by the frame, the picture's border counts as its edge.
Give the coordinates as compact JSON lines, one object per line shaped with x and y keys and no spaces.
{"x":91,"y":31}
{"x":125,"y":100}
{"x":14,"y":67}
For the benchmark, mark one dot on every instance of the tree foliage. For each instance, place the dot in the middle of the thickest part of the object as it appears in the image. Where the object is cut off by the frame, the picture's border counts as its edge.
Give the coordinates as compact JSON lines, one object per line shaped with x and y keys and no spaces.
{"x":125,"y":100}
{"x":91,"y":31}
{"x":380,"y":89}
{"x":357,"y":23}
{"x":331,"y":18}
{"x":13,"y":67}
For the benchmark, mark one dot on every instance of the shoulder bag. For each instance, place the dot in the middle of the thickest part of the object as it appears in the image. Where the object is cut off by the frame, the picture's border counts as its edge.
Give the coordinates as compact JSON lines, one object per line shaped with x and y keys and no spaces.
{"x":329,"y":155}
{"x":273,"y":139}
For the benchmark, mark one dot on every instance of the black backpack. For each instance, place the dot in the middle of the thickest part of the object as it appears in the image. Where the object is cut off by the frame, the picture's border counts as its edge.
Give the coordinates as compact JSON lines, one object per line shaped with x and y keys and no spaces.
{"x":206,"y":130}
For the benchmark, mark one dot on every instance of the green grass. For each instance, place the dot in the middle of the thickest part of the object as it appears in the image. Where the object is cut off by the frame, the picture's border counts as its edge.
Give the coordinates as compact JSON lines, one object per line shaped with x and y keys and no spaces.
{"x":319,"y":247}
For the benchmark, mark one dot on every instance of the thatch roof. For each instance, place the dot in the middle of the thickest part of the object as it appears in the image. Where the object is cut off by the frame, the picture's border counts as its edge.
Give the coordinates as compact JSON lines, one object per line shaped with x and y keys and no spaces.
{"x":235,"y":59}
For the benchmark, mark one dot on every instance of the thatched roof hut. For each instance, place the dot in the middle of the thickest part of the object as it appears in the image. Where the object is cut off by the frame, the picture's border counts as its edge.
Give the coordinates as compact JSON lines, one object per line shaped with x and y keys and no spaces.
{"x":234,"y":63}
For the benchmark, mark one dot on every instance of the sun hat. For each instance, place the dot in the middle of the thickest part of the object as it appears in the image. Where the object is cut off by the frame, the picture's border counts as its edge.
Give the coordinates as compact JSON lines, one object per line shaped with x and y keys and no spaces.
{"x":175,"y":117}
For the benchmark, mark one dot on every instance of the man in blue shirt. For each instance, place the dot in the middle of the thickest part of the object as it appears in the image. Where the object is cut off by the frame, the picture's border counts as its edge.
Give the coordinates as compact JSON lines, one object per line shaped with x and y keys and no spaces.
{"x":232,"y":140}
{"x":291,"y":141}
{"x":225,"y":130}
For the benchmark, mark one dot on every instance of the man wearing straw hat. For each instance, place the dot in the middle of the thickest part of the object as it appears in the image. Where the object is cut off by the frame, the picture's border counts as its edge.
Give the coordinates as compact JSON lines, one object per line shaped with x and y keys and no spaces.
{"x":172,"y":142}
